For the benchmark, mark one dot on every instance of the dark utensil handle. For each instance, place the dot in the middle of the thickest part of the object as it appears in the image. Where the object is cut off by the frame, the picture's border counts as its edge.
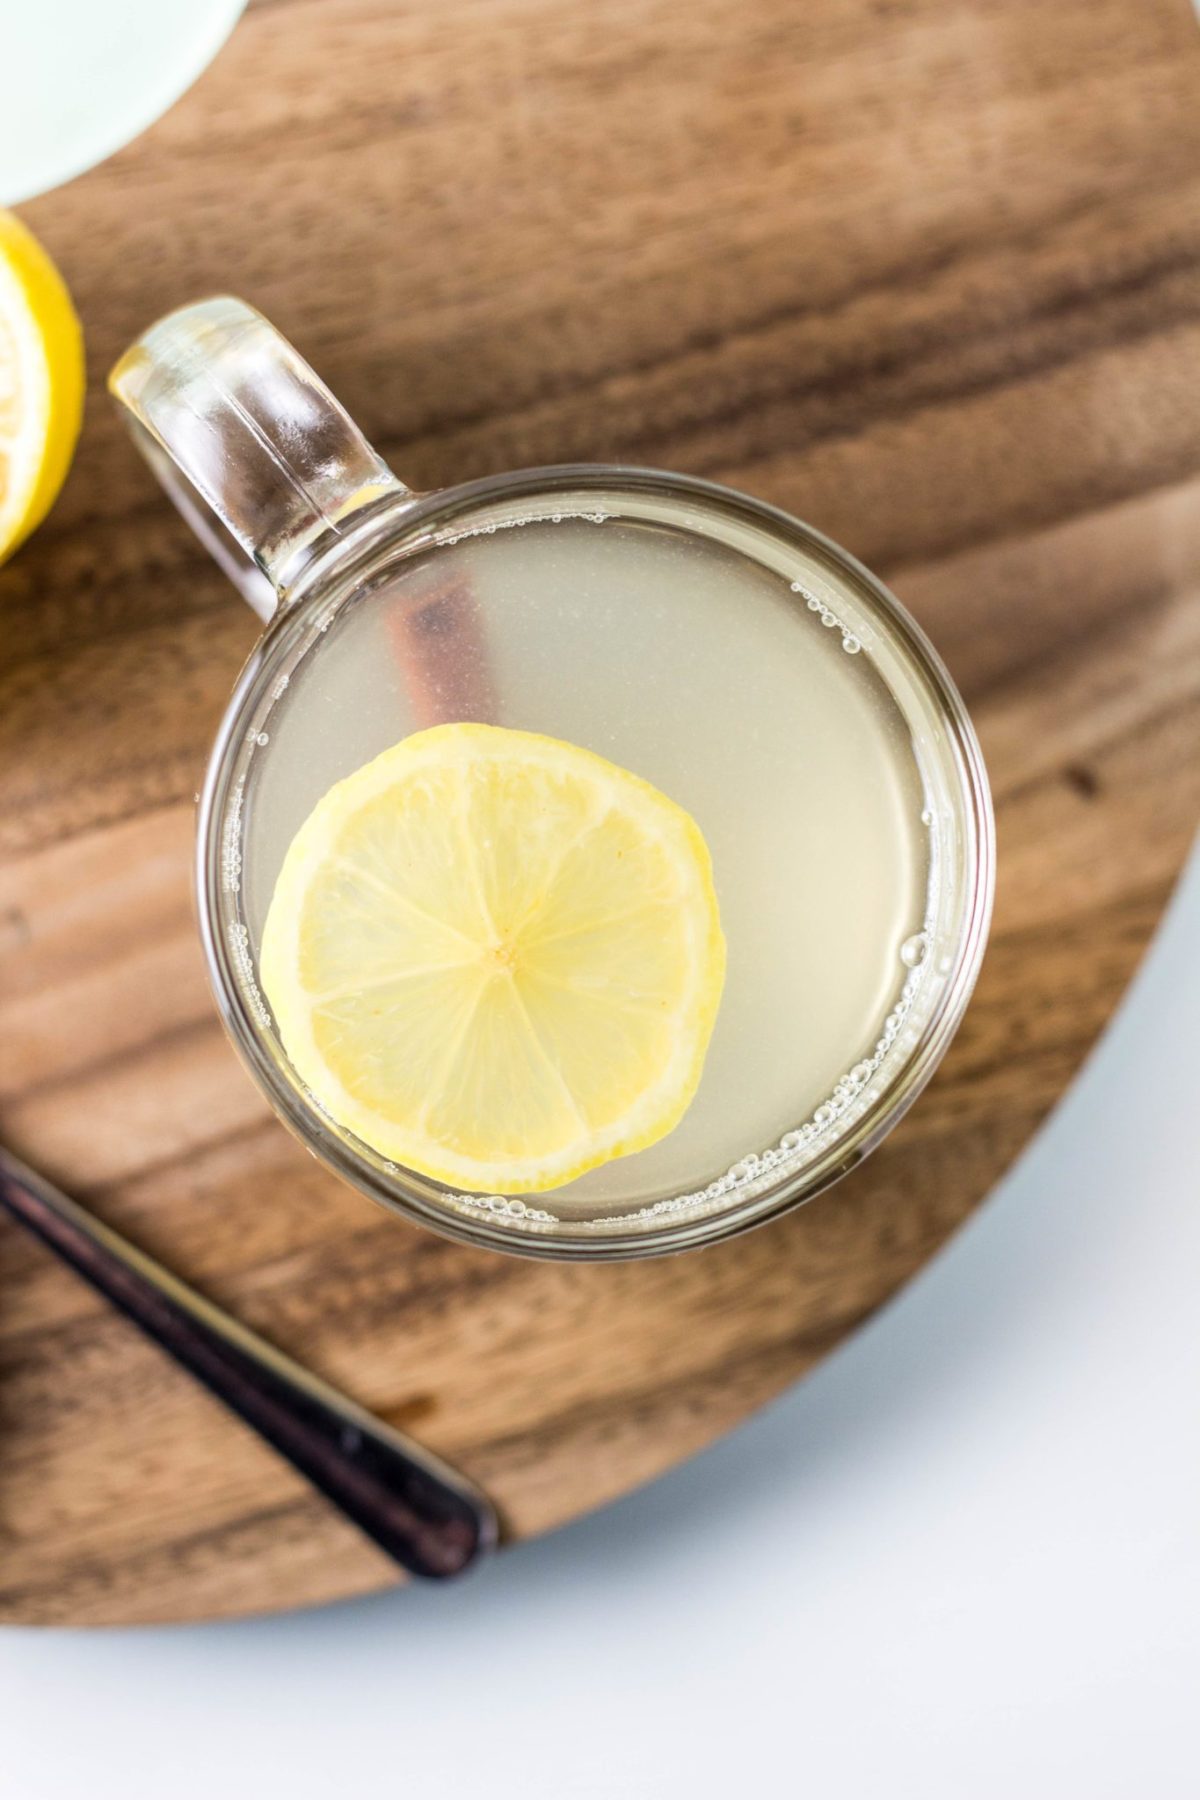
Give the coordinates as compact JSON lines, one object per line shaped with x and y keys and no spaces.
{"x":426,"y":1517}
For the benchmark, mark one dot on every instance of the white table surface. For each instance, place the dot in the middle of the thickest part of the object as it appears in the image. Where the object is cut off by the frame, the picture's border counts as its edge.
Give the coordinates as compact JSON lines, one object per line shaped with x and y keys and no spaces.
{"x":961,"y":1560}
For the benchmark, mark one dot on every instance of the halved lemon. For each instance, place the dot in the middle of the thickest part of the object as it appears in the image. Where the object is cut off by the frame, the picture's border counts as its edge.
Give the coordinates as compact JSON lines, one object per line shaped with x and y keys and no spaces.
{"x":41,"y":382}
{"x":496,"y":958}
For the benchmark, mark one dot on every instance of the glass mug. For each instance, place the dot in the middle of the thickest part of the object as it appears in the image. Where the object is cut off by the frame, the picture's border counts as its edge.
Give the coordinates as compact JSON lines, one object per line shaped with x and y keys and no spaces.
{"x":725,"y":651}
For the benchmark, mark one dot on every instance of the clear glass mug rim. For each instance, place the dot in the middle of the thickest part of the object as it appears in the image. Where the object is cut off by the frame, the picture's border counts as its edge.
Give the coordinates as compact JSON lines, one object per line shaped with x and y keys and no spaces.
{"x":397,"y":524}
{"x":294,"y":504}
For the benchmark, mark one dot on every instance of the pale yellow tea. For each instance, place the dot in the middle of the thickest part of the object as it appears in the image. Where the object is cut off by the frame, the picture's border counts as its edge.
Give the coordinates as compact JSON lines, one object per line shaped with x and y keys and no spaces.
{"x":755,"y":695}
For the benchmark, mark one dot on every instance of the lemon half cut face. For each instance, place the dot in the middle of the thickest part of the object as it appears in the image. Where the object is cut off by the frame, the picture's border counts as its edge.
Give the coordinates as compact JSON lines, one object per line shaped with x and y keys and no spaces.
{"x":41,"y":382}
{"x":496,"y":958}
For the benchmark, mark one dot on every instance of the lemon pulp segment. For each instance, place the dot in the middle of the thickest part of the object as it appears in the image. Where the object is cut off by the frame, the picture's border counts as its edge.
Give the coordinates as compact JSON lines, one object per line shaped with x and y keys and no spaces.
{"x":496,"y":958}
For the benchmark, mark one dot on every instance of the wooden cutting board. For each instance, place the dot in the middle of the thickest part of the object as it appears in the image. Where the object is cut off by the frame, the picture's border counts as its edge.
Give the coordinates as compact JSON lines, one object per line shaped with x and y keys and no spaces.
{"x":926,"y":273}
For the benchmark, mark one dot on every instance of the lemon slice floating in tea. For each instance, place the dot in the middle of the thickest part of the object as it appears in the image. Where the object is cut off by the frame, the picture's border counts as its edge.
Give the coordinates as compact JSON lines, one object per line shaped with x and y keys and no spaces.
{"x":496,"y":958}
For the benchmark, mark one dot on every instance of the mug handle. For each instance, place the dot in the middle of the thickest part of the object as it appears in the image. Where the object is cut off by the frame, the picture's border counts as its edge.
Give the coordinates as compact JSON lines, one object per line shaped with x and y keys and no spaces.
{"x":253,"y":449}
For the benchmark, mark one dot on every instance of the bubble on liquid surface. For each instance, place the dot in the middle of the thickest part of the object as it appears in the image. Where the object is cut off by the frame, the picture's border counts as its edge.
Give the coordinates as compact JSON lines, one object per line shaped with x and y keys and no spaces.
{"x":912,"y":950}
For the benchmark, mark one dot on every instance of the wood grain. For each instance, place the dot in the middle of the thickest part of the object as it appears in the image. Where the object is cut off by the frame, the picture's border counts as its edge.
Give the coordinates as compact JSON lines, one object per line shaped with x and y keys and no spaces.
{"x":926,"y":273}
